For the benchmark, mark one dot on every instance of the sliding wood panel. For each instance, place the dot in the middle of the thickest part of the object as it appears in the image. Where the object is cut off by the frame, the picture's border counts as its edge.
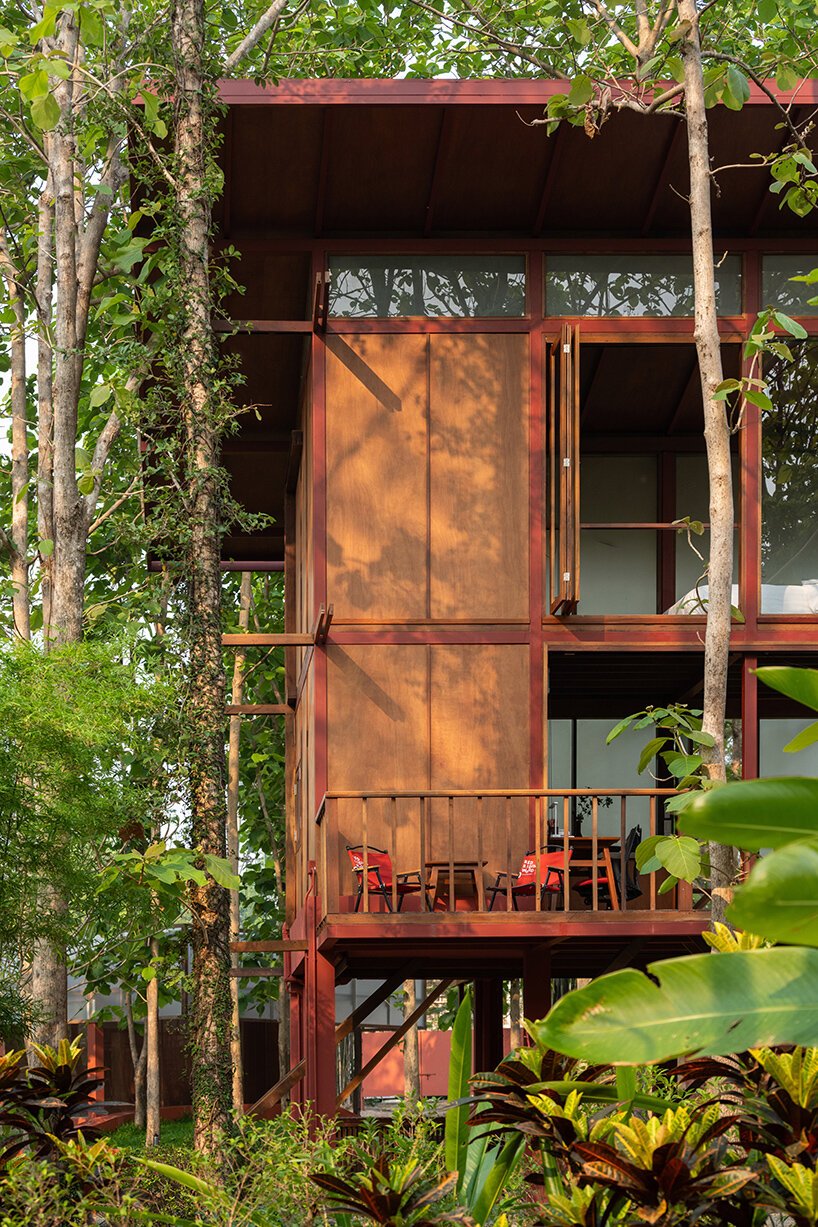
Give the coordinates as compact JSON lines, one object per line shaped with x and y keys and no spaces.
{"x":563,"y":468}
{"x":479,"y":532}
{"x":376,"y":438}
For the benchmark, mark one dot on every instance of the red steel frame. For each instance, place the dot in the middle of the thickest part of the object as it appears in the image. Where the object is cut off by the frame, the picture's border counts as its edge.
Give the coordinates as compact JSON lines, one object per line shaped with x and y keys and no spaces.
{"x":312,"y":1004}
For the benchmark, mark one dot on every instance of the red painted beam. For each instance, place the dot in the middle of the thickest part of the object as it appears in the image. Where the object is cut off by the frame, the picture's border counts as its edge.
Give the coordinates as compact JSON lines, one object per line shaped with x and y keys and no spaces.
{"x":415,"y":91}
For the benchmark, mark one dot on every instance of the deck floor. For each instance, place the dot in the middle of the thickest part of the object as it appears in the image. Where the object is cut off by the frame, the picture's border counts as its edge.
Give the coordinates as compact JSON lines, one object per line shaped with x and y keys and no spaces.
{"x":579,"y":943}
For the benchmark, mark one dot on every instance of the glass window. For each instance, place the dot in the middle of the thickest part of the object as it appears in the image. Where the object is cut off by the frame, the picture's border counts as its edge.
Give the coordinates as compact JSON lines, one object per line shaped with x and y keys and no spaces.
{"x":634,"y":285}
{"x":455,"y":286}
{"x":618,"y":489}
{"x":789,"y":492}
{"x":779,"y":290}
{"x":617,"y":571}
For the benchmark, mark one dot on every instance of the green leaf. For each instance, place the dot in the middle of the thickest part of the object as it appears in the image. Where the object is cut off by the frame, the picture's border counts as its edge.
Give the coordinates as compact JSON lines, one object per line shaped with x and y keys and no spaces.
{"x":220,"y":871}
{"x":456,"y":1128}
{"x":761,"y":399}
{"x":681,"y":856}
{"x":682,"y":765}
{"x":175,"y":1173}
{"x":99,"y":395}
{"x":85,"y":485}
{"x":790,"y":325}
{"x":807,"y":737}
{"x":581,"y":92}
{"x":45,"y":112}
{"x":45,"y":26}
{"x":619,"y":728}
{"x":91,"y":27}
{"x":46,"y":548}
{"x":500,"y":1169}
{"x":700,"y":738}
{"x":786,"y":78}
{"x":148,"y":974}
{"x":581,"y":34}
{"x":650,"y":751}
{"x":780,"y":898}
{"x":754,"y":814}
{"x":712,"y":1004}
{"x":34,"y":84}
{"x":646,"y":854}
{"x":667,"y":886}
{"x":798,"y":684}
{"x":737,"y":84}
{"x":8,"y":41}
{"x":57,"y":67}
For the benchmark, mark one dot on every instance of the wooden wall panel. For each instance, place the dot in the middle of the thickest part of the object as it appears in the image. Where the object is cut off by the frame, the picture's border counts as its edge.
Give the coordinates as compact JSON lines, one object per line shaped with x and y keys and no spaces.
{"x":378,"y":718}
{"x":376,"y":476}
{"x":480,"y":739}
{"x":479,"y":476}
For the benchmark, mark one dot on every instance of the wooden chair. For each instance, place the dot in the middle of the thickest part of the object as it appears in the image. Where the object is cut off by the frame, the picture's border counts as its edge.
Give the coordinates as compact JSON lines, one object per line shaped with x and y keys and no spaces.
{"x":632,"y":887}
{"x":553,"y":866}
{"x":381,"y":877}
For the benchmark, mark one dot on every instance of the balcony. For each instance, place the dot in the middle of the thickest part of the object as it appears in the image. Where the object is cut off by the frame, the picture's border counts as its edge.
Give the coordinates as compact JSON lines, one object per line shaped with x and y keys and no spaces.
{"x":469,"y":857}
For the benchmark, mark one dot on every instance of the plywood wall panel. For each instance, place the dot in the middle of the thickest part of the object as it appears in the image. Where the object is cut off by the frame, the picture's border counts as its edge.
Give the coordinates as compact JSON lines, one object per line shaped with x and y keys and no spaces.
{"x":378,"y":718}
{"x":376,"y":476}
{"x":480,"y":739}
{"x":478,"y":391}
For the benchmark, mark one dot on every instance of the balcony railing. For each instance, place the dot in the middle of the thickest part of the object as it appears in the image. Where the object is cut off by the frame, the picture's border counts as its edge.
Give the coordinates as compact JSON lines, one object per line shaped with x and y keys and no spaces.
{"x":491,"y":851}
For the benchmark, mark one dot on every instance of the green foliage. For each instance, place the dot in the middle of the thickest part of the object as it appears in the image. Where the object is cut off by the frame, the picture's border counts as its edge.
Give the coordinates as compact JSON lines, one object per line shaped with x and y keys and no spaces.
{"x":75,"y":724}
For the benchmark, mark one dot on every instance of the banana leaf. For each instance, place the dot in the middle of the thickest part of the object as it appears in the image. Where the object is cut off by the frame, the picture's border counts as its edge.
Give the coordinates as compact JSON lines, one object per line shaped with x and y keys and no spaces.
{"x":707,"y":1004}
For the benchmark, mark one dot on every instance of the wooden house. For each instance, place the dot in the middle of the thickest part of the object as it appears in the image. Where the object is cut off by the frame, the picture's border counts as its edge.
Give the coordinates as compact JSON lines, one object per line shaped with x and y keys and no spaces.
{"x":478,"y":421}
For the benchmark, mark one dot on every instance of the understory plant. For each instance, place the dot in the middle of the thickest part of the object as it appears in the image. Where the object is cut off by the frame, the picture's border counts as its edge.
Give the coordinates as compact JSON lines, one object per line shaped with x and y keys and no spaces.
{"x":40,"y":1103}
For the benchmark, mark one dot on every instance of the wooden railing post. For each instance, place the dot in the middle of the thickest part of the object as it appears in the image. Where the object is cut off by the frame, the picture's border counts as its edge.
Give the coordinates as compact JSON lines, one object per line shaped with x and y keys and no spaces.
{"x":365,"y":853}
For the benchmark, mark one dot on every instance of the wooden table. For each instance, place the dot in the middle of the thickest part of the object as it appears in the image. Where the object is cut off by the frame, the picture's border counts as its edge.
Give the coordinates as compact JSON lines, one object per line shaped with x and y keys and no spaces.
{"x":449,"y":870}
{"x":584,"y":845}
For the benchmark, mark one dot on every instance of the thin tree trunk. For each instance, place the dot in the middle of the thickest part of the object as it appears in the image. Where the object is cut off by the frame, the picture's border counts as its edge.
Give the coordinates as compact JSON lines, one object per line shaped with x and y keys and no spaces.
{"x":153,"y":1099}
{"x":233,"y":762}
{"x":139,"y":1061}
{"x":515,"y":1013}
{"x":411,"y":1046}
{"x":19,"y":448}
{"x":723,"y":860}
{"x":211,"y":1012}
{"x":45,"y":425}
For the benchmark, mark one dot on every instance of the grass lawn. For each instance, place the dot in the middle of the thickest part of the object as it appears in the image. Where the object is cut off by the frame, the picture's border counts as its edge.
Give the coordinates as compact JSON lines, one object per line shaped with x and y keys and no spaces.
{"x":174,"y":1133}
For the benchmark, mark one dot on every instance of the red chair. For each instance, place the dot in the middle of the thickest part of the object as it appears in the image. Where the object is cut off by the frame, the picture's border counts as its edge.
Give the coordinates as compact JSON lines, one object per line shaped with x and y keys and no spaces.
{"x":553,"y":866}
{"x":381,"y":877}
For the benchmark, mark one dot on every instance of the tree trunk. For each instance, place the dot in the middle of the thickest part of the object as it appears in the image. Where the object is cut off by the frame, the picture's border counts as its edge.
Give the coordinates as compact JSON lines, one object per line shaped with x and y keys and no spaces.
{"x":233,"y":763}
{"x":411,"y":1047}
{"x":139,"y":1061}
{"x":153,"y":1097}
{"x":19,"y":447}
{"x":211,"y":1006}
{"x":515,"y":1013}
{"x":723,"y":860}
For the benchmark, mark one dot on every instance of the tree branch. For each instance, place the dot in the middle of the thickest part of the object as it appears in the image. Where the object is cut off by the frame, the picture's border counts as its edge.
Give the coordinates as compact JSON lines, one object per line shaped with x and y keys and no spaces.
{"x":105,"y":441}
{"x":615,"y":28}
{"x":723,"y":58}
{"x":109,"y":511}
{"x":255,"y":36}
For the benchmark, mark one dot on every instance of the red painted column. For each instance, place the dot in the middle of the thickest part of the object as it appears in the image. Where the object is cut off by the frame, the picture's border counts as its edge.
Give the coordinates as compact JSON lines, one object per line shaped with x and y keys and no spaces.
{"x":318,"y":1021}
{"x":536,"y":983}
{"x":95,"y":1053}
{"x":488,"y":1023}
